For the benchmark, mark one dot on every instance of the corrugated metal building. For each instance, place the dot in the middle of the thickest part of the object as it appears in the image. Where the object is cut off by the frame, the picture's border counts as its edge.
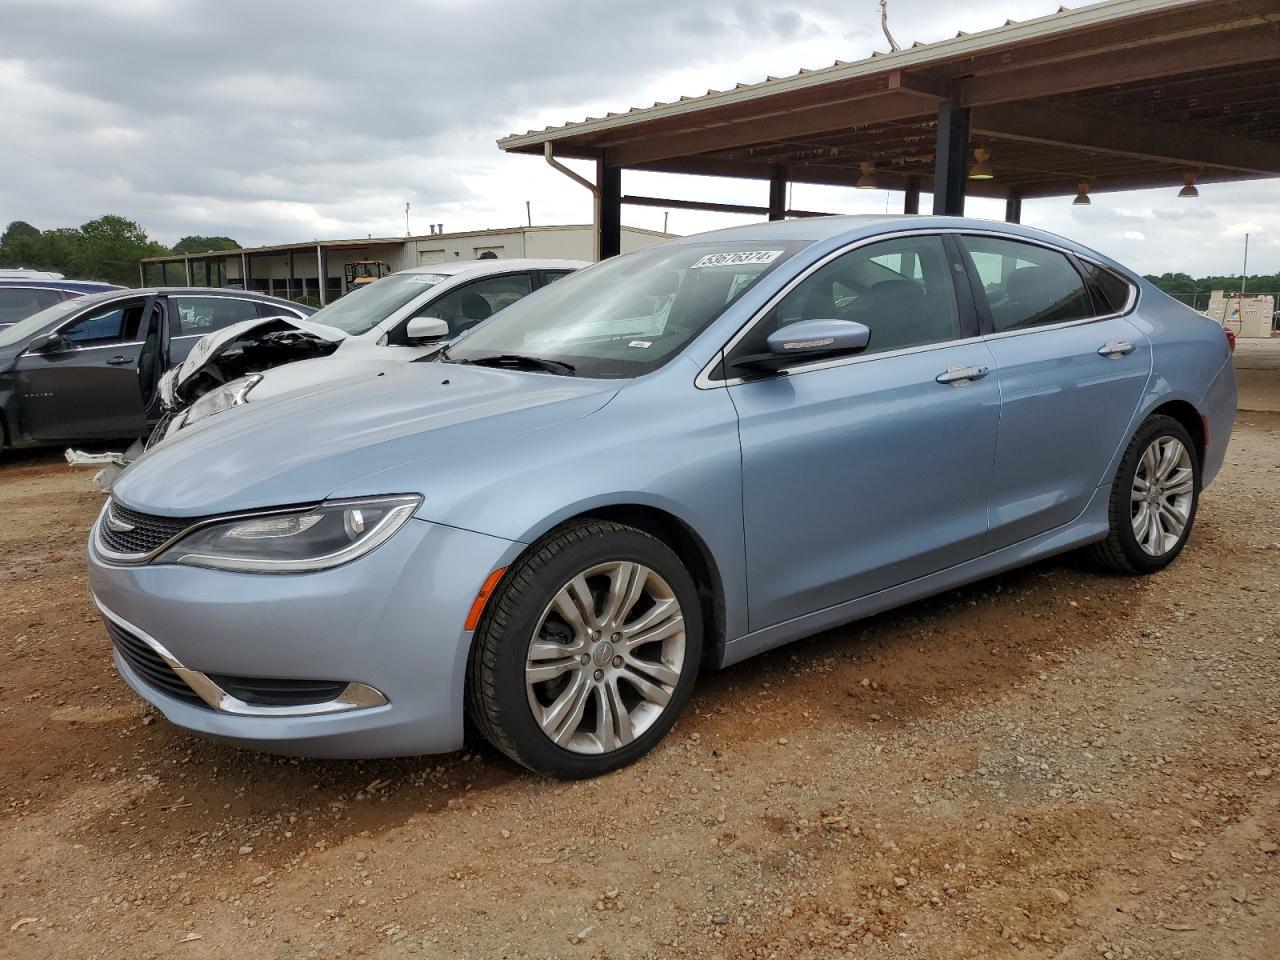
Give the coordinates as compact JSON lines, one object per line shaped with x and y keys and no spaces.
{"x":292,"y":269}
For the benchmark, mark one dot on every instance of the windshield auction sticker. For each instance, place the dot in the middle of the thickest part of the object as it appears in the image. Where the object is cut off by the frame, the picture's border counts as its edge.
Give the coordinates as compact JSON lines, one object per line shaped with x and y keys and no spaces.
{"x":739,"y":259}
{"x":431,"y":279}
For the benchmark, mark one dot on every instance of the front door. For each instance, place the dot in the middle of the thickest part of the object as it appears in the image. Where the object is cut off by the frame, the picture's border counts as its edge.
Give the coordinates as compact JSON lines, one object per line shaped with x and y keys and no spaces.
{"x":860,"y":474}
{"x":86,"y":383}
{"x":1071,"y":377}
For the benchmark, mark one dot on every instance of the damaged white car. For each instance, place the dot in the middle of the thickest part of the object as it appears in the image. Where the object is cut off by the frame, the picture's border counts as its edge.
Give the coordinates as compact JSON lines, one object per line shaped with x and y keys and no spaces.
{"x":400,"y":318}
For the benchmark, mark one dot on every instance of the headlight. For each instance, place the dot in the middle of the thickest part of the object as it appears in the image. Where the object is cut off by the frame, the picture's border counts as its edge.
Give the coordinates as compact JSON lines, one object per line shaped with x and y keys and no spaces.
{"x":295,"y":542}
{"x":224,"y":398}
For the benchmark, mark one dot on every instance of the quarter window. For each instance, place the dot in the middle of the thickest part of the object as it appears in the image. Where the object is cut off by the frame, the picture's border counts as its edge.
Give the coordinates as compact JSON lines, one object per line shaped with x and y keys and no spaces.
{"x":1110,"y":290}
{"x":465,"y":307}
{"x":900,"y":289}
{"x":1026,"y":285}
{"x":201,"y":315}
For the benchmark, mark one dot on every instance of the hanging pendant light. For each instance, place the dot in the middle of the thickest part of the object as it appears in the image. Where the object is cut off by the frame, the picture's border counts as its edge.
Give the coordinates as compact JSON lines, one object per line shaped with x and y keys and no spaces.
{"x":1188,"y":191}
{"x":981,"y":169}
{"x":1082,"y":195}
{"x":868,"y":179}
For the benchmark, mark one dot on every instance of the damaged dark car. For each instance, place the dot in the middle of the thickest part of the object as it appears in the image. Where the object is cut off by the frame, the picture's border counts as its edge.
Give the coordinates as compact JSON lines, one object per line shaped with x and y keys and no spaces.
{"x":89,"y":368}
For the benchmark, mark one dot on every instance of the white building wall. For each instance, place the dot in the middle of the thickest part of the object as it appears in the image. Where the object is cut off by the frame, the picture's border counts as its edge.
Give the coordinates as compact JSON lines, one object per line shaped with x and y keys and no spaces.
{"x":574,"y":242}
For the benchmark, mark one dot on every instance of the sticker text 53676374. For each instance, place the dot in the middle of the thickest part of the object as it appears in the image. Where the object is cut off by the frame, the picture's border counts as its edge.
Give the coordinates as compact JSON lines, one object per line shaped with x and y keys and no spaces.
{"x":738,"y":259}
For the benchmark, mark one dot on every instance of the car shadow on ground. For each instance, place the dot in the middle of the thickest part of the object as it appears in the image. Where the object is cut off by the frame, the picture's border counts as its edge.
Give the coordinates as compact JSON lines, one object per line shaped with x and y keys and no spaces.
{"x":962,"y":647}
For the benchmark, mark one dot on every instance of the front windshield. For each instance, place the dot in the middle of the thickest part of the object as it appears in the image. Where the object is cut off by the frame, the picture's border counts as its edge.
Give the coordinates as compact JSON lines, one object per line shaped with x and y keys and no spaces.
{"x":365,"y":307}
{"x":26,"y":328}
{"x":627,"y":315}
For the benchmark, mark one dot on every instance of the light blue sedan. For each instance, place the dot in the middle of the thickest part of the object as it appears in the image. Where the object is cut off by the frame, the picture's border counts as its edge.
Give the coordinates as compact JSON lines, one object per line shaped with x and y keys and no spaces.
{"x":672,"y":460}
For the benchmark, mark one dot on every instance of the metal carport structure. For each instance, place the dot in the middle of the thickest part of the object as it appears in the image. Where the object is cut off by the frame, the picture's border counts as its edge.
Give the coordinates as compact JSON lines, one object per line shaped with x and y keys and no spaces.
{"x":1121,"y":95}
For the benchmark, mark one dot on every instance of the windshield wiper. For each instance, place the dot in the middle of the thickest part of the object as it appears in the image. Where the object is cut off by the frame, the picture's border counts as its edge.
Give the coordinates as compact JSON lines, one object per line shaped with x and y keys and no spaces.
{"x":518,"y":361}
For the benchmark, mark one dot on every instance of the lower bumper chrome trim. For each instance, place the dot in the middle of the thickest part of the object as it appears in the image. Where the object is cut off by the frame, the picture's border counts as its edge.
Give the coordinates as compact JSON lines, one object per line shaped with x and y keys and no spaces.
{"x":355,"y":696}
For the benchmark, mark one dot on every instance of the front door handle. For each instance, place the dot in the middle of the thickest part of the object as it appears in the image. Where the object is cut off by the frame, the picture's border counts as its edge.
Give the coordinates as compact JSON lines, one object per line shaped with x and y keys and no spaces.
{"x":1115,"y":349}
{"x":962,"y":375}
{"x":120,"y":361}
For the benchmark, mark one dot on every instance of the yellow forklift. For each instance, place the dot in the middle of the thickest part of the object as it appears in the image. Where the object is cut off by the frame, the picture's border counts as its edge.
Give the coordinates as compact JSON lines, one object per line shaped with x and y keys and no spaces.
{"x":360,"y":272}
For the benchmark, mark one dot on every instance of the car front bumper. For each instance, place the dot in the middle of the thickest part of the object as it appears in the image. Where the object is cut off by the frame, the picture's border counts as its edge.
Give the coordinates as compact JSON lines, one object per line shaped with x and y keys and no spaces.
{"x":388,"y":628}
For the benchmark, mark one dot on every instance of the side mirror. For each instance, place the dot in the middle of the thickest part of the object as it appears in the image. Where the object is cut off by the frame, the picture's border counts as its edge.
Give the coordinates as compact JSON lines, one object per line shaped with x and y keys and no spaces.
{"x":809,"y":340}
{"x":45,"y":343}
{"x":426,"y":328}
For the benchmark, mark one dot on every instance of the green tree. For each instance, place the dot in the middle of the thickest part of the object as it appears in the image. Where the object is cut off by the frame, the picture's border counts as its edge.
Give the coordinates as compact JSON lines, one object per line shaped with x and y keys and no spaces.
{"x":20,"y":246}
{"x":198,"y":244}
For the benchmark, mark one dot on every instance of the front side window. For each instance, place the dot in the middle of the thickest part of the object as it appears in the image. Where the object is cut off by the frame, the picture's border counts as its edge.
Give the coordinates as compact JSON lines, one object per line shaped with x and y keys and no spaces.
{"x":466,"y":306}
{"x":1027,"y":285}
{"x":900,"y":289}
{"x":627,"y":315}
{"x":118,"y":323}
{"x":200,"y":315}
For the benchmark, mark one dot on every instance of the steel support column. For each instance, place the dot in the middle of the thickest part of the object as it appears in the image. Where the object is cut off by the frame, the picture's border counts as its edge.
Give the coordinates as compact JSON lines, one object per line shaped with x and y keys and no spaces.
{"x":608,"y":210}
{"x":778,"y":194}
{"x":322,"y":275}
{"x":244,"y":271}
{"x":911,"y":198}
{"x":1013,"y":206}
{"x":187,"y":261}
{"x":289,"y":289}
{"x":950,"y":160}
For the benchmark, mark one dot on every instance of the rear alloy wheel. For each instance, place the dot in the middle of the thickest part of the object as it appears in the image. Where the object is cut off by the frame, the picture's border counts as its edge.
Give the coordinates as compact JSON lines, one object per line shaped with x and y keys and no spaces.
{"x":588,"y":651}
{"x":1153,"y":499}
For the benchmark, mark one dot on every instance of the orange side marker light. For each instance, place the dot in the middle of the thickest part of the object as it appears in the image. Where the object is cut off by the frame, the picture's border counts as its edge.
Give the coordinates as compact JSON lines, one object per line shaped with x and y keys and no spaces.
{"x":477,"y":606}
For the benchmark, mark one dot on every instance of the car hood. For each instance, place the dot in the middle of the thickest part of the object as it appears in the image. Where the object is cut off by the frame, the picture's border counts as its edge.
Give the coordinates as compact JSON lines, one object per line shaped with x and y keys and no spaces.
{"x":212,"y":345}
{"x":301,"y":447}
{"x":356,"y":357}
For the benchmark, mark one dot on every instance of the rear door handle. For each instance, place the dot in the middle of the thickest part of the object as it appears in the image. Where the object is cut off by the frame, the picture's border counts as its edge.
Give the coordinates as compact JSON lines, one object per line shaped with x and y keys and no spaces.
{"x":120,"y":361}
{"x":1115,"y":349}
{"x":962,"y":375}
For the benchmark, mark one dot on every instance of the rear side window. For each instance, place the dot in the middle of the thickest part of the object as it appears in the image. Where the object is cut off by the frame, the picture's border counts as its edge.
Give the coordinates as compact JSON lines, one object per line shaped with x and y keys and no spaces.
{"x":1026,"y":285}
{"x":200,"y":315}
{"x":1111,"y":291}
{"x":17,"y":303}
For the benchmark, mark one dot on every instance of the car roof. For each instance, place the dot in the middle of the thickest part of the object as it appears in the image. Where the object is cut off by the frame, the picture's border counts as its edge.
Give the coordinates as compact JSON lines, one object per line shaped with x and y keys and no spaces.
{"x":455,"y":267}
{"x":847,"y":228}
{"x":87,"y":285}
{"x":107,"y":295}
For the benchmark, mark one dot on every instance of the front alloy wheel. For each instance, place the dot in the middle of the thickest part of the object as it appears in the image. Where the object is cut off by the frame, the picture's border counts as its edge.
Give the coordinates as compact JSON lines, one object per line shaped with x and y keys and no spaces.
{"x":606,"y":657}
{"x":587,"y":651}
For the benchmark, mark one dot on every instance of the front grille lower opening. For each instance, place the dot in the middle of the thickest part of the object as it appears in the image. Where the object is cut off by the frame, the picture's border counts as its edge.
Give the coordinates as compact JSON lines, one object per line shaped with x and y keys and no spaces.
{"x":271,"y":692}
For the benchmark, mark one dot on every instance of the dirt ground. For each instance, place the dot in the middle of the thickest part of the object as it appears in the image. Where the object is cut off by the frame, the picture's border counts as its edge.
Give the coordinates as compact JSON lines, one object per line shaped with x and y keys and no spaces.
{"x":1051,"y":763}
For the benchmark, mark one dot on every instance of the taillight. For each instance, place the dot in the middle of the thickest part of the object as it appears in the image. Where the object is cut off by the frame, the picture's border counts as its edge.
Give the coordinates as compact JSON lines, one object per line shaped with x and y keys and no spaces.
{"x":1231,"y":338}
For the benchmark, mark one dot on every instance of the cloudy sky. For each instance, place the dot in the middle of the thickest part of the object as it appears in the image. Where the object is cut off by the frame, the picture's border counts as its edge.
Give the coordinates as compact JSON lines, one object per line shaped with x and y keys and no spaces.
{"x":278,"y":121}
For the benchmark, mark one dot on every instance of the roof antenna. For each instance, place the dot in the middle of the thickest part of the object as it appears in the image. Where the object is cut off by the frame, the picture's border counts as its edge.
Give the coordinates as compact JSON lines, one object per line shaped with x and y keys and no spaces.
{"x":884,"y":25}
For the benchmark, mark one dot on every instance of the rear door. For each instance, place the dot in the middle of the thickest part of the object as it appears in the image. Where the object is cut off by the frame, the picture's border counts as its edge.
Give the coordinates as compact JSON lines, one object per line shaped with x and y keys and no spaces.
{"x":1071,"y":369}
{"x":86,"y":383}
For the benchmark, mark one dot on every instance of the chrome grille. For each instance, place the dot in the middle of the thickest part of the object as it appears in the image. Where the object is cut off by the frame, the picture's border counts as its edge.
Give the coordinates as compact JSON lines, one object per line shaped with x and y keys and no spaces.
{"x":129,"y":532}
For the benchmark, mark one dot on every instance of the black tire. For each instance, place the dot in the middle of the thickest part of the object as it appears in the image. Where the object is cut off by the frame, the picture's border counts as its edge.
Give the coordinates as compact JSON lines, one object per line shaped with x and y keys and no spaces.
{"x":1121,"y":551}
{"x":497,"y":697}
